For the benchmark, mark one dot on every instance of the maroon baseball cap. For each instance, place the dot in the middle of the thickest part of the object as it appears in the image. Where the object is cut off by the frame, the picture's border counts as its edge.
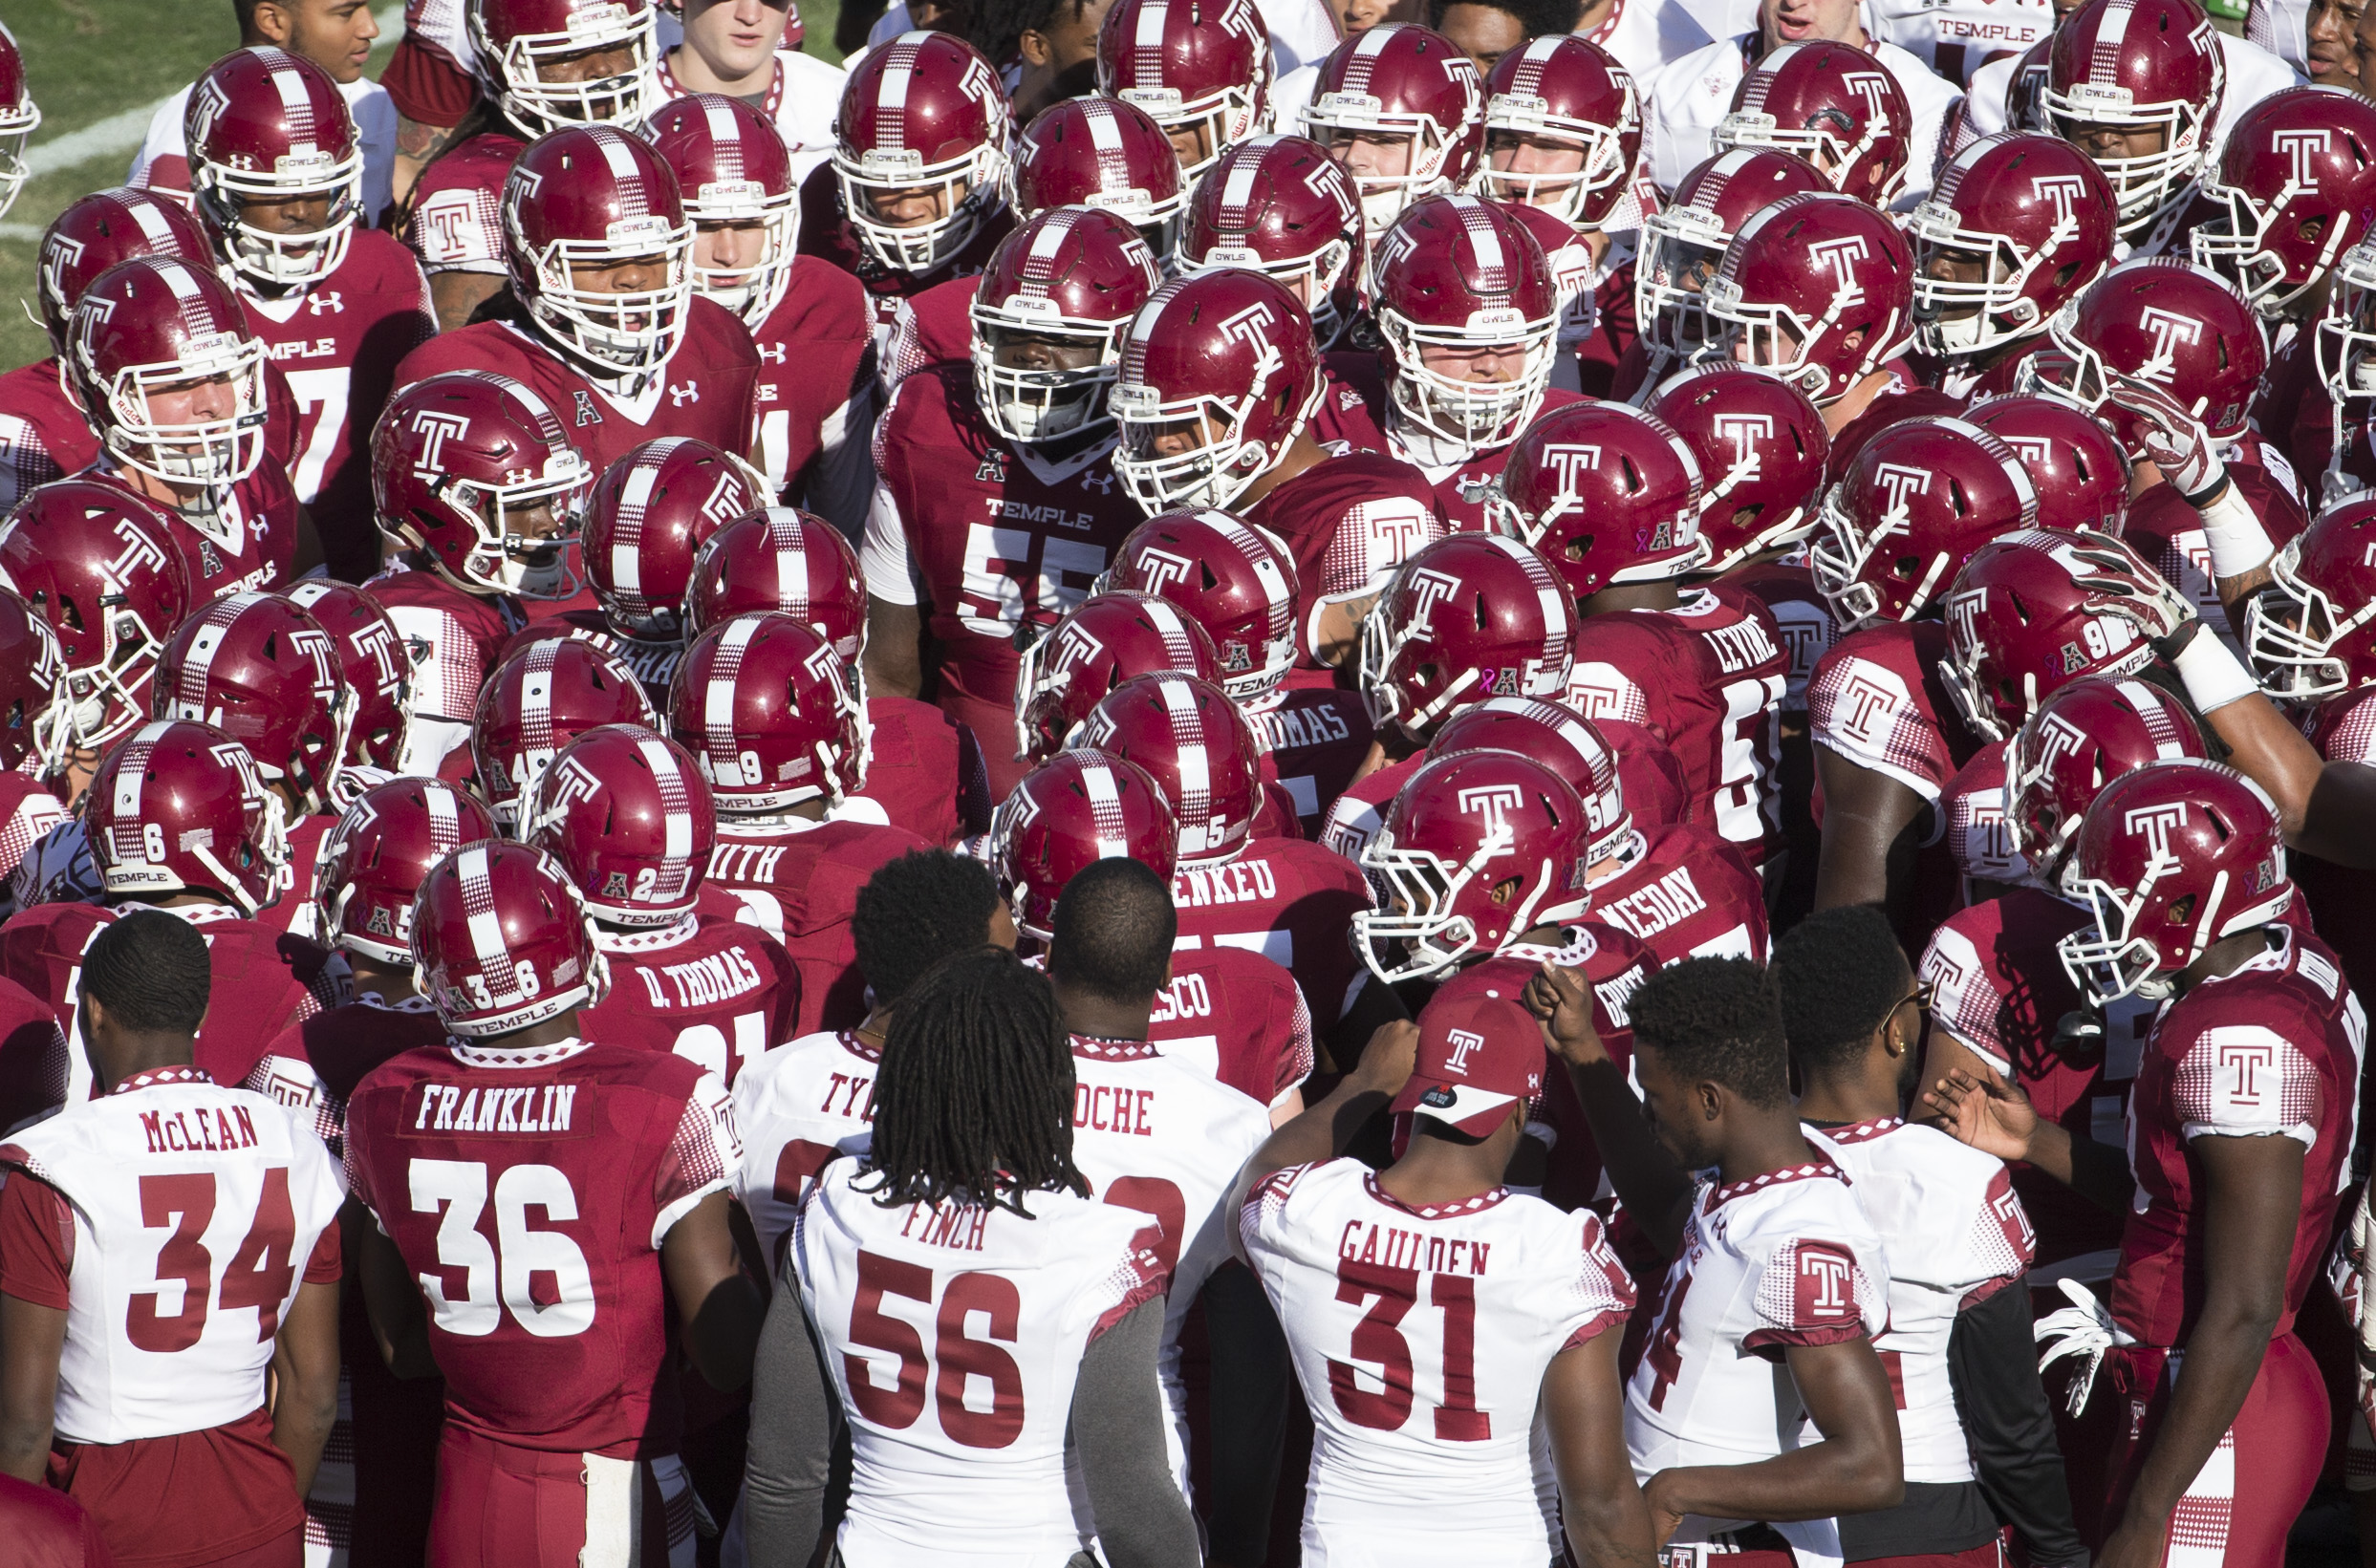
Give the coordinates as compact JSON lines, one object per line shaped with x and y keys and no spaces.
{"x":1479,"y":1054}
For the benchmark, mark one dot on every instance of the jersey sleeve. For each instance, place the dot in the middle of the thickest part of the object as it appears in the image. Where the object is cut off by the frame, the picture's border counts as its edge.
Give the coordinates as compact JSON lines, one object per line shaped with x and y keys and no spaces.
{"x":702,"y":1150}
{"x":1864,"y":711}
{"x":1964,"y":1000}
{"x":1599,"y":690}
{"x":2000,"y":1245}
{"x":883,"y":560}
{"x":1813,"y":1292}
{"x":1297,"y":1060}
{"x":1604,"y":1291}
{"x":325,"y":1265}
{"x":2350,"y":735}
{"x":457,"y":228}
{"x":1261,"y":1218}
{"x":37,"y":1242}
{"x":2246,"y":1081}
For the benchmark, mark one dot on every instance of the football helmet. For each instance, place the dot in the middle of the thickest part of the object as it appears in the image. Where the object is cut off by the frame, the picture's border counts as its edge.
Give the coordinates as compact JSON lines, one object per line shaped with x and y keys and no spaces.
{"x":100,"y":568}
{"x":1281,"y":205}
{"x":1919,"y":499}
{"x":1816,"y":290}
{"x":103,"y":228}
{"x":2035,"y":214}
{"x":761,"y":702}
{"x":1200,"y":69}
{"x":502,"y":940}
{"x":2347,"y":333}
{"x":1831,"y":104}
{"x":646,"y":519}
{"x":261,"y":669}
{"x":784,"y":559}
{"x":456,"y":459}
{"x":263,"y":125}
{"x":375,"y":857}
{"x":596,"y":197}
{"x":1231,"y":578}
{"x":2028,"y":613}
{"x":31,"y":668}
{"x":1197,"y":747}
{"x":1458,"y":275}
{"x":2139,"y":65}
{"x":19,"y":117}
{"x":1564,"y":89}
{"x":1105,"y":640}
{"x":149,"y":327}
{"x":376,"y":662}
{"x":179,"y":806}
{"x":1478,"y":850}
{"x":924,"y":112}
{"x":1099,"y":153}
{"x":2079,"y":471}
{"x":732,"y":168}
{"x":1070,"y":278}
{"x":1683,"y":243}
{"x":1761,"y":450}
{"x":2080,"y":738}
{"x":1225,"y":351}
{"x":2298,"y":177}
{"x":625,"y":813}
{"x":544,"y":695}
{"x":515,"y":39}
{"x":2309,"y":635}
{"x":1563,"y":740}
{"x":1606,"y":493}
{"x":1076,"y":808}
{"x":1464,"y":619}
{"x":2181,"y":326}
{"x":2170,"y":858}
{"x":1400,"y":80}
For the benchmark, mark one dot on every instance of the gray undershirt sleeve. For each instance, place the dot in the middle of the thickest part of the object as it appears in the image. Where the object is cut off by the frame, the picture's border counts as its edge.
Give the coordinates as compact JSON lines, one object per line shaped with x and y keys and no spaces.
{"x":1118,"y":1421}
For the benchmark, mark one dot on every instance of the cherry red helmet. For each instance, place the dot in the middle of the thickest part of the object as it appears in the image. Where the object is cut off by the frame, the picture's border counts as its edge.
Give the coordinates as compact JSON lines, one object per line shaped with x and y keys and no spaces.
{"x":1228,"y":346}
{"x":1761,"y":450}
{"x":2038,"y":215}
{"x":2141,"y":65}
{"x":1200,"y":69}
{"x":2298,"y":177}
{"x":515,"y":39}
{"x":924,"y":111}
{"x":455,"y":458}
{"x":2080,"y":738}
{"x":1279,"y":204}
{"x":377,"y":856}
{"x":2311,"y":634}
{"x":544,"y":695}
{"x":1105,"y":640}
{"x":1076,"y":808}
{"x":1562,"y":89}
{"x":2075,"y":465}
{"x":156,"y":322}
{"x":625,"y":813}
{"x":1073,"y":274}
{"x":31,"y":668}
{"x":2170,"y":858}
{"x":376,"y":661}
{"x":1683,"y":243}
{"x":1100,"y":153}
{"x":1401,"y":79}
{"x":780,"y":558}
{"x":1605,"y":494}
{"x":592,"y":196}
{"x":1833,"y":105}
{"x":2028,"y":613}
{"x":19,"y":117}
{"x":1915,"y":504}
{"x":178,"y":807}
{"x":262,"y":670}
{"x":648,"y":516}
{"x":1464,"y":619}
{"x":501,"y":941}
{"x":1563,"y":740}
{"x":100,"y":568}
{"x":1231,"y":578}
{"x":761,"y":703}
{"x":1460,"y":272}
{"x":2181,"y":326}
{"x":265,"y":125}
{"x":96,"y":232}
{"x":1802,"y":280}
{"x":1198,"y":748}
{"x":732,"y":168}
{"x":1478,"y":850}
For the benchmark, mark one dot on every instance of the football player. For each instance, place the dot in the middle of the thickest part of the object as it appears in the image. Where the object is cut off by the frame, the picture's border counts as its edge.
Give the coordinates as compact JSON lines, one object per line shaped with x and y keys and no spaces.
{"x":1833,"y":105}
{"x":377,"y":666}
{"x":1279,"y":204}
{"x":19,"y":116}
{"x":751,"y":52}
{"x":2265,"y":244}
{"x":1467,"y":618}
{"x":539,"y":699}
{"x":1203,"y":74}
{"x":1403,"y":110}
{"x":31,"y":669}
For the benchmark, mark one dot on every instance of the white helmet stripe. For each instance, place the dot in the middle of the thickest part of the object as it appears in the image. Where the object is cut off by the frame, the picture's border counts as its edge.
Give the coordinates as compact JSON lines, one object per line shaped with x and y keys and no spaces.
{"x":676,"y":802}
{"x":1105,"y":806}
{"x":486,"y":925}
{"x":717,"y":702}
{"x":626,"y":540}
{"x":444,"y":816}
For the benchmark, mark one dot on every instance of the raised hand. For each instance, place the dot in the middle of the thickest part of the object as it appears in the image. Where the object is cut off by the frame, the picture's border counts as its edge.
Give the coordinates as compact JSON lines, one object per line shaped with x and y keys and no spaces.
{"x":1990,"y":1114}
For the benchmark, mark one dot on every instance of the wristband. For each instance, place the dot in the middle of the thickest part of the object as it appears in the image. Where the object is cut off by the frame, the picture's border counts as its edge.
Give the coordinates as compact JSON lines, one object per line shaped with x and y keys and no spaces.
{"x":2214,"y":676}
{"x":2239,"y":543}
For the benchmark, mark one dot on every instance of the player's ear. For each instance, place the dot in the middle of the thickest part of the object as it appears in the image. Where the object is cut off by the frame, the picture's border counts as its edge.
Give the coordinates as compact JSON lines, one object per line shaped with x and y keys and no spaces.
{"x":1710,"y":1098}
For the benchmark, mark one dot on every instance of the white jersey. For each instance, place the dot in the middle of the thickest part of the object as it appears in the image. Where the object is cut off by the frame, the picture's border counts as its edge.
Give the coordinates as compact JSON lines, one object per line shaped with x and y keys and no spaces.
{"x":954,"y":1336}
{"x":1646,"y":36}
{"x":1955,"y":1235}
{"x":196,"y":1207}
{"x":797,"y":1107}
{"x":1955,"y":38}
{"x":375,"y":131}
{"x":1422,"y":1337}
{"x":802,"y":96}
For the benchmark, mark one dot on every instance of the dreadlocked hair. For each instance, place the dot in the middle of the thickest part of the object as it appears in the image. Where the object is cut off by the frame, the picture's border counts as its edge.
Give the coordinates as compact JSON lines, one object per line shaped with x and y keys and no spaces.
{"x":973,"y":1098}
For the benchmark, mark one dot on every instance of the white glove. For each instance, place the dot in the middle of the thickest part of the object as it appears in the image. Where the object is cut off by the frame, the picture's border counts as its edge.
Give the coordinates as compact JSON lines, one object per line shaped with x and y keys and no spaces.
{"x":2144,"y":594}
{"x":2082,"y":1329}
{"x":2180,"y":447}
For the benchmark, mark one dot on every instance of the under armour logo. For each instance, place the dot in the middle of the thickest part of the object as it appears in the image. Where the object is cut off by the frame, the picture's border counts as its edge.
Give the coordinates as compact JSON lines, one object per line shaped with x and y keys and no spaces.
{"x":1901,"y":484}
{"x":331,"y":303}
{"x":1567,"y":461}
{"x":2169,"y":329}
{"x":1099,"y":479}
{"x":772,"y":353}
{"x":1841,"y":256}
{"x":433,"y":428}
{"x":2062,"y":190}
{"x":2155,"y":822}
{"x":1463,"y":1041}
{"x":1429,"y":589}
{"x":1745,"y":431}
{"x":679,"y":395}
{"x":1494,"y":802}
{"x":587,"y":413}
{"x":2299,"y":148}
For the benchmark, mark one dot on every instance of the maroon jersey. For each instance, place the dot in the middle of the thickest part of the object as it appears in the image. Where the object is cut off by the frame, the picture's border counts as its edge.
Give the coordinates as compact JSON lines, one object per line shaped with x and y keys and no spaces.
{"x":1746,"y":657}
{"x":1347,"y":522}
{"x":1236,"y":1016}
{"x":456,"y":218}
{"x":1973,"y":806}
{"x":456,"y":638}
{"x":1648,"y":667}
{"x":2168,"y":533}
{"x":241,"y":536}
{"x":824,"y":235}
{"x":717,"y":993}
{"x":314,"y":1066}
{"x":1359,"y":810}
{"x":1802,"y":617}
{"x":652,"y":661}
{"x":2272,"y":1048}
{"x":2341,"y":899}
{"x":1460,"y":479}
{"x":705,"y":389}
{"x":811,"y":348}
{"x":43,"y":435}
{"x":1686,"y":894}
{"x":801,"y":882}
{"x":1905,"y":401}
{"x":1315,"y":737}
{"x":32,"y":1057}
{"x":1342,"y":422}
{"x":609,"y":1146}
{"x":927,"y":771}
{"x":932,"y":327}
{"x":1291,"y":901}
{"x":293,"y":910}
{"x":28,"y":810}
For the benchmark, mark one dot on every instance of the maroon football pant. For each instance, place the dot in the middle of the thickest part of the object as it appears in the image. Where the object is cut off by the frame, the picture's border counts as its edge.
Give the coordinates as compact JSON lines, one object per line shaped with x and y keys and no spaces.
{"x":224,"y":1497}
{"x":505,"y":1507}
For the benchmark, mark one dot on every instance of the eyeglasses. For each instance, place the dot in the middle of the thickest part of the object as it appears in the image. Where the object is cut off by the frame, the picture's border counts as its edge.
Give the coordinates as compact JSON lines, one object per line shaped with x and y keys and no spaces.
{"x":1923,"y":994}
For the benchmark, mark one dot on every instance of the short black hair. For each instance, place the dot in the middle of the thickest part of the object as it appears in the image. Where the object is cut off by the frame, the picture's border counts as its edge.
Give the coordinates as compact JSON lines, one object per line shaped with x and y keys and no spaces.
{"x":149,"y":970}
{"x":1840,"y":975}
{"x":1717,"y":1020}
{"x":1536,"y":18}
{"x":915,"y":912}
{"x":1113,"y":933}
{"x":996,"y":27}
